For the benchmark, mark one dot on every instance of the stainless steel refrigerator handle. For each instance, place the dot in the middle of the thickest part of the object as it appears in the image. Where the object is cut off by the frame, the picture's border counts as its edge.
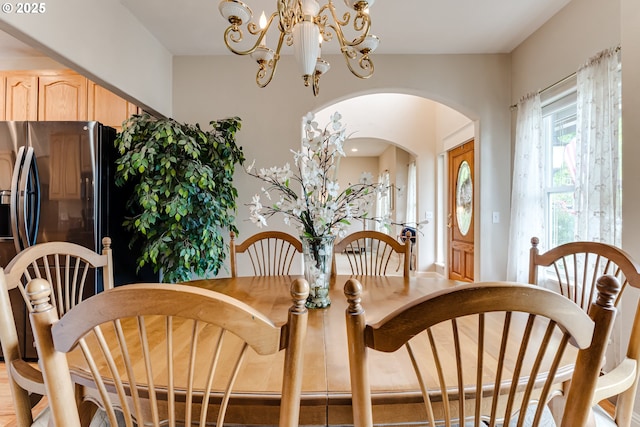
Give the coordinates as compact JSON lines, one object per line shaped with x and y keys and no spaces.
{"x":15,"y":198}
{"x":29,"y":214}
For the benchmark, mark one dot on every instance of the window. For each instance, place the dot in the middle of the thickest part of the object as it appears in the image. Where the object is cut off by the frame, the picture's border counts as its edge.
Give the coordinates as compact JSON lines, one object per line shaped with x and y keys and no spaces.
{"x":383,"y":210}
{"x":566,"y":180}
{"x":412,"y":202}
{"x":559,"y":139}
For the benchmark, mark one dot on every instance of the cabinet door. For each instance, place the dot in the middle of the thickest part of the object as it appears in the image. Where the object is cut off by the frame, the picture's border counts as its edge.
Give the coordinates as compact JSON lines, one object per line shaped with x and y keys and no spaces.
{"x":62,"y":97}
{"x":21,"y":97}
{"x":108,"y":108}
{"x":65,"y":167}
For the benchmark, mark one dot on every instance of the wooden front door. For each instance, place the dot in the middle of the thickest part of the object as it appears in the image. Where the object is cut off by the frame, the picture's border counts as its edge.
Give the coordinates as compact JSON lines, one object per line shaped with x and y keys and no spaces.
{"x":461,"y":214}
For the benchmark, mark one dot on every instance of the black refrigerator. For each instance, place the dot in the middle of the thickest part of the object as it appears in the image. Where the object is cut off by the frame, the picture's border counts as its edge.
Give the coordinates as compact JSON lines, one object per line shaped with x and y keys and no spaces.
{"x":57,"y":184}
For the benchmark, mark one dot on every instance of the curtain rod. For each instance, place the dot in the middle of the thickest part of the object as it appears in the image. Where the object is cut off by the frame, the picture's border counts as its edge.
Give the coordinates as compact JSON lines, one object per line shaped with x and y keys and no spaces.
{"x":559,"y":82}
{"x":551,"y":86}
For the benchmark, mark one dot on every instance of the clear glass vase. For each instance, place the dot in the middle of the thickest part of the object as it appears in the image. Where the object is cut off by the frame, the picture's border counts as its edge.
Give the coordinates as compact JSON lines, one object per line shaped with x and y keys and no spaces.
{"x":318,"y":257}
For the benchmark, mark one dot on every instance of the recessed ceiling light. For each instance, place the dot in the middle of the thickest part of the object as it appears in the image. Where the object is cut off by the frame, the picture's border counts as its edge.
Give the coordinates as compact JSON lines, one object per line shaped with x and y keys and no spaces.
{"x":354,"y":150}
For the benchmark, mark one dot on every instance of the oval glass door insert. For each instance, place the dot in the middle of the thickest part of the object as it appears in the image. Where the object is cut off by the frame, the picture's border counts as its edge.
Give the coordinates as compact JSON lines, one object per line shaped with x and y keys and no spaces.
{"x":464,"y":198}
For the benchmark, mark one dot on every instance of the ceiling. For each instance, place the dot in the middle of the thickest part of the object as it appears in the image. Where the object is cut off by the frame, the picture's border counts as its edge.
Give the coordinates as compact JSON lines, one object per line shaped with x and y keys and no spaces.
{"x":364,"y":147}
{"x":195,"y":27}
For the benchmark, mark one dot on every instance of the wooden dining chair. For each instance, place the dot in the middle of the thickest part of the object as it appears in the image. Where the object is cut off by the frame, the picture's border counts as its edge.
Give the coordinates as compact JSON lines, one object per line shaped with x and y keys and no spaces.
{"x":68,"y":266}
{"x":574,"y":267}
{"x":271,"y":252}
{"x":373,"y":253}
{"x":159,"y":354}
{"x":527,"y":323}
{"x":572,"y":270}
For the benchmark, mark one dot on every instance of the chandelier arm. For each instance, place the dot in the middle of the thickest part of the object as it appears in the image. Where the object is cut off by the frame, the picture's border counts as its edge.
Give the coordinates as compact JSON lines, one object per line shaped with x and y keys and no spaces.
{"x":364,"y":63}
{"x":272,"y":65}
{"x":289,"y":12}
{"x":255,"y":29}
{"x":361,"y":24}
{"x":234,"y":34}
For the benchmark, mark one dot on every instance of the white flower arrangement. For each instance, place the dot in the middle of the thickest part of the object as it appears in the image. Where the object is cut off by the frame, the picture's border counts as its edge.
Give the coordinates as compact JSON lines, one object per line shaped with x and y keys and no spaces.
{"x":321,"y":209}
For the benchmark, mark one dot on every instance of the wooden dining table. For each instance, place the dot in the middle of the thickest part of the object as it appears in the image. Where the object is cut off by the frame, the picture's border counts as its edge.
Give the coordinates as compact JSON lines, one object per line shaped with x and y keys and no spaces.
{"x":326,"y":395}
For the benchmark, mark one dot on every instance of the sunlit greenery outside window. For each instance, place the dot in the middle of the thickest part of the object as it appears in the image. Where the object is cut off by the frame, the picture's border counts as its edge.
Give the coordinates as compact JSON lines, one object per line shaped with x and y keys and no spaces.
{"x":559,"y":130}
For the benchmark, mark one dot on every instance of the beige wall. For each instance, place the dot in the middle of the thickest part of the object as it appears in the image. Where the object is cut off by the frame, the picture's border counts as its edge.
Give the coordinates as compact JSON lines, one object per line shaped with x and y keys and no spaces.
{"x":207,"y":88}
{"x":30,"y":63}
{"x":104,"y":42}
{"x":563,"y":44}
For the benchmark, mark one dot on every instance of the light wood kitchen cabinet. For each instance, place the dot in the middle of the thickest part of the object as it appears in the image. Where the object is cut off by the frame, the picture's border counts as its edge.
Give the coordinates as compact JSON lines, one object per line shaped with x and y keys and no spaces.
{"x":108,"y":108}
{"x":21,"y":97}
{"x":62,"y":97}
{"x":65,"y":167}
{"x":47,"y":95}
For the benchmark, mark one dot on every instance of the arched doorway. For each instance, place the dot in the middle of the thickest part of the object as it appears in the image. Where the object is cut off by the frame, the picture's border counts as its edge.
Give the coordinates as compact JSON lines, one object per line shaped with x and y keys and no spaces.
{"x":416,"y":129}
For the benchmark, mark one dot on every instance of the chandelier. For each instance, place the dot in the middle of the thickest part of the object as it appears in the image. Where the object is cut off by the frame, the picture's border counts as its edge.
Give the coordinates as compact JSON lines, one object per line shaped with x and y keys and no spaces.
{"x":305,"y":25}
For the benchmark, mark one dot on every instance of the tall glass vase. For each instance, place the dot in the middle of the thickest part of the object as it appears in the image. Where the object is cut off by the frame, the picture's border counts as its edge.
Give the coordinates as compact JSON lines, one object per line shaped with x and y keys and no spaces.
{"x":318,"y":257}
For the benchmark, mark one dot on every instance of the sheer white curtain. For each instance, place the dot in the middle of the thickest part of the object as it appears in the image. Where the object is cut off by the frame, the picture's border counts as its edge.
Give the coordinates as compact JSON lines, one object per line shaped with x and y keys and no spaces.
{"x":599,"y":216}
{"x":411,"y":215}
{"x":528,"y":192}
{"x":599,"y":213}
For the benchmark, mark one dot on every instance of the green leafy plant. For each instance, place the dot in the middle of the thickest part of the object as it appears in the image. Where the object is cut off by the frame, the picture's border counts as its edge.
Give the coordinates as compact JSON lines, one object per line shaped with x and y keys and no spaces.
{"x":183,"y":195}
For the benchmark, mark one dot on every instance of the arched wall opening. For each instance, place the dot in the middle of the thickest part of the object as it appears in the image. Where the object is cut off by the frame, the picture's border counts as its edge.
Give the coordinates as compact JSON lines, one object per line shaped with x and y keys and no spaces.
{"x":414,"y":129}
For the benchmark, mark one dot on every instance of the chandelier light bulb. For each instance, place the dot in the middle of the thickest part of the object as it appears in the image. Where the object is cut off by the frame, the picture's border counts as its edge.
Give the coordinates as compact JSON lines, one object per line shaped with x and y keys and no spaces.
{"x":263,"y":24}
{"x":263,"y":21}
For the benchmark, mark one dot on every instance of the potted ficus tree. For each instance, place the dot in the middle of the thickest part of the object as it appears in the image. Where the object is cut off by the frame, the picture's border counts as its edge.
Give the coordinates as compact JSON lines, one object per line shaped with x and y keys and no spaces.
{"x":183,"y":194}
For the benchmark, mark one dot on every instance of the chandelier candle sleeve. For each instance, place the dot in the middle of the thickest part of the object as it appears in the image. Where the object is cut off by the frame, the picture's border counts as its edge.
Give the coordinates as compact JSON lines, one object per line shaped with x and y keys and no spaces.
{"x":306,"y":36}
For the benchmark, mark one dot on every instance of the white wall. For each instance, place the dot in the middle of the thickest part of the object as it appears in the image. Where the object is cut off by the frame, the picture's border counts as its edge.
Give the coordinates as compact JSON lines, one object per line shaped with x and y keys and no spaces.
{"x":207,"y":88}
{"x":103,"y":41}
